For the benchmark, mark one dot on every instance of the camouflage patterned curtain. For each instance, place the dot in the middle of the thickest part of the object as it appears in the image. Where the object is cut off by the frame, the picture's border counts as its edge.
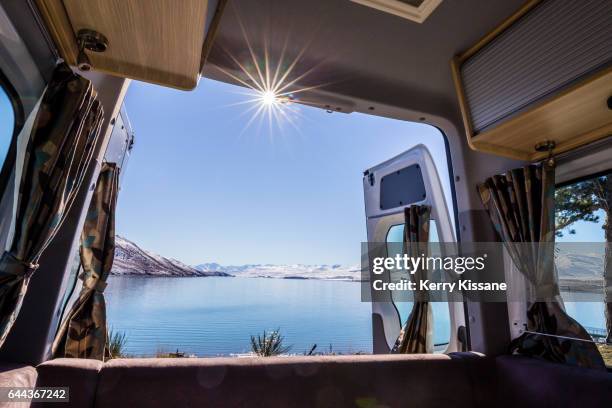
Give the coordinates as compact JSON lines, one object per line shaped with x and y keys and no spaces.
{"x":83,"y":331}
{"x":416,"y":335}
{"x":58,"y":152}
{"x":521,"y":205}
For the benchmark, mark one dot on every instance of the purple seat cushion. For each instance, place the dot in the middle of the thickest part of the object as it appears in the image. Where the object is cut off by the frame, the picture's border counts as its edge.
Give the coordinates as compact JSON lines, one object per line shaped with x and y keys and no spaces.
{"x":80,"y":375}
{"x":313,"y":381}
{"x":456,"y":380}
{"x":17,"y":375}
{"x":528,"y":382}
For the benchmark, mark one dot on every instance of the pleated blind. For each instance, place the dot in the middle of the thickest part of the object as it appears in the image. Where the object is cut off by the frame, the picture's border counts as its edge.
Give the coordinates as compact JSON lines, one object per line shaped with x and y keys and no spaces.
{"x":552,"y":46}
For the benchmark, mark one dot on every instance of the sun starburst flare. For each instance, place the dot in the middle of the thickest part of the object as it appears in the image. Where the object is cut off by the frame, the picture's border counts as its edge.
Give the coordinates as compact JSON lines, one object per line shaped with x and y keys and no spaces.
{"x":272,"y":88}
{"x":268,"y":98}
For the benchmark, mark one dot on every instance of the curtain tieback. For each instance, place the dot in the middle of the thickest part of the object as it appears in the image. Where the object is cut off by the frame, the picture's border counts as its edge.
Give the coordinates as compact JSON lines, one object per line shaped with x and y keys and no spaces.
{"x":10,"y":264}
{"x":93,"y":282}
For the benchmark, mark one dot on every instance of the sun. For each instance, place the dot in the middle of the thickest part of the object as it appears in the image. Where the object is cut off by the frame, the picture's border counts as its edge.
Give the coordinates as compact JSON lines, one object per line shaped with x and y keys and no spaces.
{"x":273,"y":90}
{"x":269,"y":98}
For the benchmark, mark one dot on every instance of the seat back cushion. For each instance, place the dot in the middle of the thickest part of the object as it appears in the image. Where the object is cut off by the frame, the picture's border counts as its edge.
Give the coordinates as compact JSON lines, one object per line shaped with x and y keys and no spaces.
{"x":80,"y":375}
{"x":313,"y":381}
{"x":457,"y":380}
{"x":17,"y":375}
{"x":528,"y":382}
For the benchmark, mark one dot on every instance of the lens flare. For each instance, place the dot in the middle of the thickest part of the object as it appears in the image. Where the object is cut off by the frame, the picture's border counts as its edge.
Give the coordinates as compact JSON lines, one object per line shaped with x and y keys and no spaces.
{"x":273,"y":86}
{"x":269,"y":98}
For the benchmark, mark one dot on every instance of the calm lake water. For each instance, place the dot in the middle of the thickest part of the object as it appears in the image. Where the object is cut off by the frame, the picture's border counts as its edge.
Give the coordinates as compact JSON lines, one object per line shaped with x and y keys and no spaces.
{"x":216,"y":316}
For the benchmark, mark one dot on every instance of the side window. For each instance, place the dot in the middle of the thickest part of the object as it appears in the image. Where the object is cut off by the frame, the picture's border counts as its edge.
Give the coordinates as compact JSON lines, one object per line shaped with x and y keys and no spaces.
{"x":583,"y":255}
{"x":7,"y":124}
{"x":21,"y":85}
{"x":440,"y":309}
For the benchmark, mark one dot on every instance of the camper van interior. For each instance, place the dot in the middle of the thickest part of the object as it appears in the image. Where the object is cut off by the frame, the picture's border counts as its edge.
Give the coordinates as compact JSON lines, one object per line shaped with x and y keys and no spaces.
{"x":518,"y":97}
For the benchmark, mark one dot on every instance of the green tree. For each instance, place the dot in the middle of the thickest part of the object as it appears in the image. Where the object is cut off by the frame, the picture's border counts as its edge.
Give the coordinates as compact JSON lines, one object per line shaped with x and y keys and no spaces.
{"x":580,"y":202}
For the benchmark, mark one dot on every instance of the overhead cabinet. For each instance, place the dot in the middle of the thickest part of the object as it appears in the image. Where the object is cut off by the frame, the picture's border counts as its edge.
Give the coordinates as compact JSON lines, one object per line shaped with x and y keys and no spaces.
{"x":544,"y":75}
{"x":158,"y":41}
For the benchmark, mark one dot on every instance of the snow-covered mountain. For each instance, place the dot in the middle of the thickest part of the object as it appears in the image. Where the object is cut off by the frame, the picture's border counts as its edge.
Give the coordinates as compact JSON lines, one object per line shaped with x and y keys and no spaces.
{"x":580,"y":266}
{"x":295,"y":271}
{"x":130,"y":259}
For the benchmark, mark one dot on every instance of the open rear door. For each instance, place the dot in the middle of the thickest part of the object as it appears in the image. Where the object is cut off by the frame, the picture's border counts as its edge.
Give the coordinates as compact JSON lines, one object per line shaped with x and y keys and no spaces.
{"x":407,"y":179}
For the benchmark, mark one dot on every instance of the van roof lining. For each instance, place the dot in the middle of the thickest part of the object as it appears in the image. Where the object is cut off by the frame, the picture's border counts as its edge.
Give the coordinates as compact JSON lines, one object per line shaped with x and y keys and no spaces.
{"x":358,"y":52}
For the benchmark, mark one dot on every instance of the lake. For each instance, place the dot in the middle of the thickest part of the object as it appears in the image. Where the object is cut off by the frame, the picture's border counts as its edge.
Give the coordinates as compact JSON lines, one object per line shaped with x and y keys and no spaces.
{"x":212,"y":316}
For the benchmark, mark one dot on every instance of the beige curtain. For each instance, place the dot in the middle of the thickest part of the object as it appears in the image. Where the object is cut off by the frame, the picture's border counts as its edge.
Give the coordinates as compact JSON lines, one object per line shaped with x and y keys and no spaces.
{"x":521,"y":205}
{"x":83,"y":333}
{"x":58,"y":152}
{"x":416,"y":335}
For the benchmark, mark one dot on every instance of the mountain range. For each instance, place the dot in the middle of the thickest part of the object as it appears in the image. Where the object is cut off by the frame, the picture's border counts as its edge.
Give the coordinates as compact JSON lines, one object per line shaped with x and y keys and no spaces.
{"x":130,"y":259}
{"x":293,"y":271}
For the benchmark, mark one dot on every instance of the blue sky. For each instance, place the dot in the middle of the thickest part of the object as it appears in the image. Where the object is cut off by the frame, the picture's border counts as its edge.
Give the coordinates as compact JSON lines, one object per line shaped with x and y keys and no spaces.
{"x":201,"y":188}
{"x":585,"y":231}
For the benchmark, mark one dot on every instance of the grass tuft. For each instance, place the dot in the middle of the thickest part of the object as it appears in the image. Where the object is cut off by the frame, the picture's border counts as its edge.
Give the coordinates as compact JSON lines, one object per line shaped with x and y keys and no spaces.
{"x":116,"y":344}
{"x":269,"y":344}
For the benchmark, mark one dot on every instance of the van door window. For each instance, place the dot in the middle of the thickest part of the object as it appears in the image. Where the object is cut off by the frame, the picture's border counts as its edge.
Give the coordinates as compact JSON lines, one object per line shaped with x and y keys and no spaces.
{"x":440,"y":309}
{"x":583,"y":216}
